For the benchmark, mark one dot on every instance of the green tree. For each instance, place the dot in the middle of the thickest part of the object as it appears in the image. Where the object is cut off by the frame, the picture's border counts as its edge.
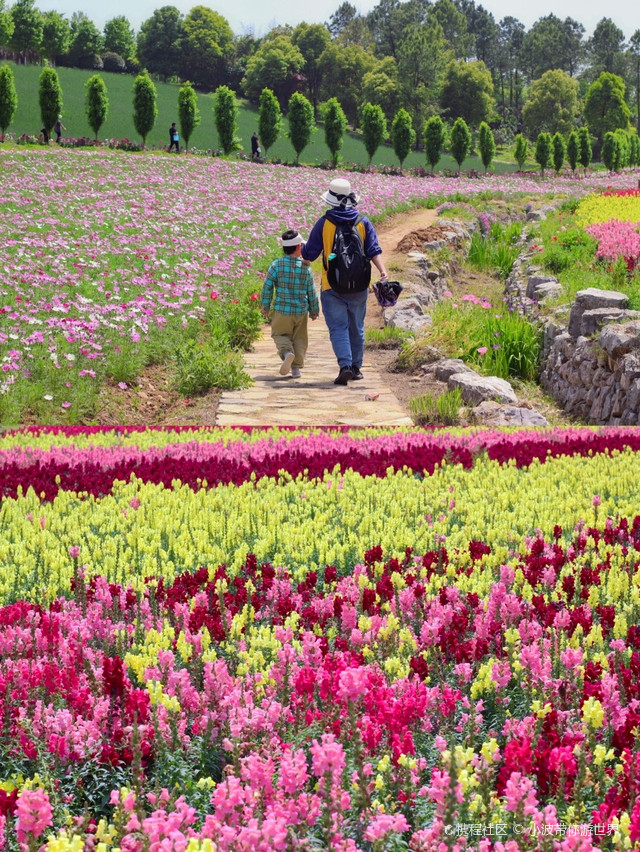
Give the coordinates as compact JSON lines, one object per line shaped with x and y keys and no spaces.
{"x":145,"y":108}
{"x":374,"y":128}
{"x":634,"y":149}
{"x":552,"y":104}
{"x":269,"y":119}
{"x":460,"y":141}
{"x":226,"y":117}
{"x":56,"y":36}
{"x":207,"y":47}
{"x":6,"y":25}
{"x":610,"y":151}
{"x":403,"y":135}
{"x":543,"y":150}
{"x":381,"y":87}
{"x":301,"y":122}
{"x":120,"y":38}
{"x":422,"y":55}
{"x":605,"y":107}
{"x":623,"y":149}
{"x":507,"y":64}
{"x":606,"y":48}
{"x":521,"y":150}
{"x":160,"y":40}
{"x":8,"y":97}
{"x":486,"y":145}
{"x":584,"y":157}
{"x":335,"y":123}
{"x":559,"y":150}
{"x":467,"y":91}
{"x":573,"y":150}
{"x":96,"y":103}
{"x":434,"y":137}
{"x":454,"y":26}
{"x":50,"y":97}
{"x":552,"y":44}
{"x":275,"y":65}
{"x":311,"y":40}
{"x":343,"y":70}
{"x":634,"y":61}
{"x":27,"y":29}
{"x":86,"y":41}
{"x":188,"y":112}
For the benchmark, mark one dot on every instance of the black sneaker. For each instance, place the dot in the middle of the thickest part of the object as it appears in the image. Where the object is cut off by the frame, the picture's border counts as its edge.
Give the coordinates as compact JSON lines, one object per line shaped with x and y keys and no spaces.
{"x":345,"y":374}
{"x":357,"y":372}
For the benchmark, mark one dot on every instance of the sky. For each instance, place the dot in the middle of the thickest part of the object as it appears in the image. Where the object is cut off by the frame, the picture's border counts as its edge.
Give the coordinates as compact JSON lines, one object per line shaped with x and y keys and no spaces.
{"x":259,"y":16}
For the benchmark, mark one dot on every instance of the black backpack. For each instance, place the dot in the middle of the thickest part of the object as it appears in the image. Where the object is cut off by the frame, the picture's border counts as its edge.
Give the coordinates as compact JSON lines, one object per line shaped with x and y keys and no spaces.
{"x":348,"y":268}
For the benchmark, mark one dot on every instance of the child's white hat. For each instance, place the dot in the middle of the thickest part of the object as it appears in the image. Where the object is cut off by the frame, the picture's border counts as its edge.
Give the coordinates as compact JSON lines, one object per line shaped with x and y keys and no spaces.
{"x":298,"y":240}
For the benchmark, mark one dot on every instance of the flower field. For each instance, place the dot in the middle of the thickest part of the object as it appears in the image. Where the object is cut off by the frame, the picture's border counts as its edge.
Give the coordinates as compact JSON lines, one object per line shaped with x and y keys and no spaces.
{"x":218,"y":639}
{"x":613,"y":219}
{"x":110,"y":260}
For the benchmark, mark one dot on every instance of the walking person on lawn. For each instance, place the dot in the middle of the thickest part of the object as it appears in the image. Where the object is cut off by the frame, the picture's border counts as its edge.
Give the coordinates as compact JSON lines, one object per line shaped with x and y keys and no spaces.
{"x":289,"y":294}
{"x":344,"y":312}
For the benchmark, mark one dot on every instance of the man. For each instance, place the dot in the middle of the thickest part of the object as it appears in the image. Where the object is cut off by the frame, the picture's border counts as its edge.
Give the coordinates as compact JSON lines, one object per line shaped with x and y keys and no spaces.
{"x":174,"y":138}
{"x":344,"y":312}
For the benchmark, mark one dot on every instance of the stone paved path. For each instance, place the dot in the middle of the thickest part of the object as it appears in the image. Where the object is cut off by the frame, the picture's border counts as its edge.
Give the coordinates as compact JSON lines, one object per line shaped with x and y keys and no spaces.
{"x":312,"y":400}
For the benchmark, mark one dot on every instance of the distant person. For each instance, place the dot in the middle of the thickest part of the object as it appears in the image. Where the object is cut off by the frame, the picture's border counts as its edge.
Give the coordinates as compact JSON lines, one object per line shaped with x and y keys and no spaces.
{"x":290,"y":295}
{"x":174,"y":138}
{"x":344,"y":312}
{"x":255,"y":146}
{"x":58,"y":127}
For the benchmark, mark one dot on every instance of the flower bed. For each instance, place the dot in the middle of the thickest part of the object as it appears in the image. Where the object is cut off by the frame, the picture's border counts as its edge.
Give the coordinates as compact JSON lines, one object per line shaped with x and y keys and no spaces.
{"x":429,"y":657}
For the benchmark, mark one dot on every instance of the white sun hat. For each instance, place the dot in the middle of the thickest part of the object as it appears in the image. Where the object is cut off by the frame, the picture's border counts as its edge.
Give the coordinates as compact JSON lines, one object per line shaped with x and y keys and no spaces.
{"x":339,"y":194}
{"x":298,"y":240}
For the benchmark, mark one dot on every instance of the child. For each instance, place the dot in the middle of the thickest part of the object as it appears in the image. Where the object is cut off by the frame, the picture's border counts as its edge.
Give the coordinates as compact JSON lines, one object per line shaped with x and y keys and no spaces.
{"x":289,"y":289}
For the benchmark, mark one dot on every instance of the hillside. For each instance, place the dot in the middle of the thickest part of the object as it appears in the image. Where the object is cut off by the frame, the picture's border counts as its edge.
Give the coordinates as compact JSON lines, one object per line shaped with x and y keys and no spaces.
{"x":119,"y":123}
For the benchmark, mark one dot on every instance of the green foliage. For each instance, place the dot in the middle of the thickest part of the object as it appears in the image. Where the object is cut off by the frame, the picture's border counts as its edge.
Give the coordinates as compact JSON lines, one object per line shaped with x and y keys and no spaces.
{"x":552,"y":103}
{"x":374,"y":128}
{"x":206,"y":47}
{"x":584,"y":157}
{"x":145,"y":109}
{"x":570,"y":248}
{"x":274,"y":65}
{"x":434,"y":137}
{"x":495,"y":252}
{"x":467,"y":91}
{"x":543,"y":150}
{"x":6,"y":24}
{"x":56,"y":35}
{"x":634,"y":149}
{"x":160,"y":40}
{"x":335,"y":124}
{"x":97,"y":103}
{"x":610,"y":151}
{"x":605,"y":106}
{"x":521,"y":150}
{"x":431,"y":410}
{"x":235,"y":323}
{"x":270,"y":119}
{"x":403,"y":135}
{"x":188,"y":112}
{"x":573,"y":150}
{"x":27,"y":27}
{"x":301,"y":123}
{"x":119,"y":38}
{"x":507,"y":344}
{"x":559,"y":150}
{"x":8,"y":97}
{"x":226,"y":117}
{"x":388,"y":337}
{"x":50,"y":98}
{"x":486,"y":144}
{"x":203,"y":366}
{"x":460,"y":141}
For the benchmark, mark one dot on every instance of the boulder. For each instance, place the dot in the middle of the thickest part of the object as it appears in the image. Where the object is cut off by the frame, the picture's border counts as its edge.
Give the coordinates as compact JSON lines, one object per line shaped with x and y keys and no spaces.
{"x":592,"y":321}
{"x":591,"y":299}
{"x":618,"y":340}
{"x":543,"y":287}
{"x":449,"y":367}
{"x":493,"y":413}
{"x":475,"y":388}
{"x":407,"y":314}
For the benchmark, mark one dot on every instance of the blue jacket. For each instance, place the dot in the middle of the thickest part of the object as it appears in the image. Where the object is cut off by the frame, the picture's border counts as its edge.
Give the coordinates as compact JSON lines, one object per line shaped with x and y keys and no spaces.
{"x":312,"y":249}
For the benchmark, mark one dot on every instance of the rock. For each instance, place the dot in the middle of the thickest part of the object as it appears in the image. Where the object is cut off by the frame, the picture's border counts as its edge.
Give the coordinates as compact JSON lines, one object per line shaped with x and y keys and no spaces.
{"x":493,"y":413}
{"x":543,"y":286}
{"x":449,"y":367}
{"x":476,"y":388}
{"x":592,"y":321}
{"x":618,"y":340}
{"x":536,"y":216}
{"x":591,"y":299}
{"x":407,"y":314}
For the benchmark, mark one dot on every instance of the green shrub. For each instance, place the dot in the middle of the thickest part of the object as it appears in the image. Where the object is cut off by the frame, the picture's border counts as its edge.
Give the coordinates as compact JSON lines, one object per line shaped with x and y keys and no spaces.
{"x":235,"y":323}
{"x":200,"y":367}
{"x":495,"y":251}
{"x":443,"y":410}
{"x":508,"y":344}
{"x":388,"y":337}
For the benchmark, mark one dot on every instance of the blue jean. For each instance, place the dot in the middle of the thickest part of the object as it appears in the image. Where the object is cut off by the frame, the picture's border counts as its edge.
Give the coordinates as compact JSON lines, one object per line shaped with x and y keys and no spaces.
{"x":344,"y":314}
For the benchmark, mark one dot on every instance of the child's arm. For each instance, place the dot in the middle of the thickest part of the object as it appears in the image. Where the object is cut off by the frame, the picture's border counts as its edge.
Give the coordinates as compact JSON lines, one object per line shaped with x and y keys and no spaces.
{"x":266,"y":297}
{"x":312,"y":296}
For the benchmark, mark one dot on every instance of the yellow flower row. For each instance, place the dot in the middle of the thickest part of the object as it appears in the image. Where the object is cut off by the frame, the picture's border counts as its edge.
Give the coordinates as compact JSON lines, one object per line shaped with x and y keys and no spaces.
{"x":601,"y":208}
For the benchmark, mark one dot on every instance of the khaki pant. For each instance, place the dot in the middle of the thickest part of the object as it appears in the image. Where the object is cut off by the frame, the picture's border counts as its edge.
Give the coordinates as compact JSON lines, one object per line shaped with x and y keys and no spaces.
{"x":289,"y":332}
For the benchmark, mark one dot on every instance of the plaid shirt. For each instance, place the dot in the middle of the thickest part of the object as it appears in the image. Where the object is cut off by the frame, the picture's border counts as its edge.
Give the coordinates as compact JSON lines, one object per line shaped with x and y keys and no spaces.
{"x":295,"y":292}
